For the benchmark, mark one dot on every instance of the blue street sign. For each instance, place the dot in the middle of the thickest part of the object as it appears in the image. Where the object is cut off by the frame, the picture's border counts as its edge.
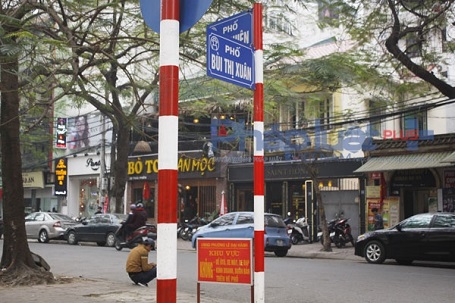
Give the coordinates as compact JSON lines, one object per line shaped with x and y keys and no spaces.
{"x":238,"y":27}
{"x":190,"y":13}
{"x":229,"y":60}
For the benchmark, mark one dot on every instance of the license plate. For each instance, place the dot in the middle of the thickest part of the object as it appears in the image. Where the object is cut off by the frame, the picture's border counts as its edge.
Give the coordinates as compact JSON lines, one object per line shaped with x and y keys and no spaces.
{"x":279,"y":242}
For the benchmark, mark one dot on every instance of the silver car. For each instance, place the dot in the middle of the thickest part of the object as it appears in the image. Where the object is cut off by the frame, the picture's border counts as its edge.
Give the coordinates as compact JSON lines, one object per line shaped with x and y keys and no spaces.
{"x":46,"y":225}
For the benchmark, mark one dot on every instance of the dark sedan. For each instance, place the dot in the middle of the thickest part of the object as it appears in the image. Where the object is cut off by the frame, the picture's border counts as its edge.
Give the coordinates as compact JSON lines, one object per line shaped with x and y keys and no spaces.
{"x":424,"y":237}
{"x":100,"y":228}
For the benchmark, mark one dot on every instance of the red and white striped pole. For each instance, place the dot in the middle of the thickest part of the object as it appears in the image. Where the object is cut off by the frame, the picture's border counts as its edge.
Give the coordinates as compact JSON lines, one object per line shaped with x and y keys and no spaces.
{"x":258,"y":164}
{"x":168,"y":152}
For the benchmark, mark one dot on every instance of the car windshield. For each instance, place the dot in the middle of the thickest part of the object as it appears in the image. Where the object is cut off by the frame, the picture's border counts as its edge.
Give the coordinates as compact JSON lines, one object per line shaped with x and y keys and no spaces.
{"x":274,"y":221}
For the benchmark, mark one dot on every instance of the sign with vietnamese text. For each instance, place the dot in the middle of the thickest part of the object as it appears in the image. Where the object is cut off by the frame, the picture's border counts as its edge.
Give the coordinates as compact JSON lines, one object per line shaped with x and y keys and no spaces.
{"x":229,"y":60}
{"x":225,"y":260}
{"x":238,"y":27}
{"x":61,"y":175}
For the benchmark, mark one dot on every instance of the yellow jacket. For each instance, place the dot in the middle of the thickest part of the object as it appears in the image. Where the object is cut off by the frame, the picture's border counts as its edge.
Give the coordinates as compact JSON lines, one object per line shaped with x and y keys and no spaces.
{"x":138,"y":260}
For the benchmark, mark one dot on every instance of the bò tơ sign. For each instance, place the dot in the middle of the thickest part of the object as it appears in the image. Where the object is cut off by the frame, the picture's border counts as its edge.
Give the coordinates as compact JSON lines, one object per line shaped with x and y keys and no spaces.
{"x":225,"y":260}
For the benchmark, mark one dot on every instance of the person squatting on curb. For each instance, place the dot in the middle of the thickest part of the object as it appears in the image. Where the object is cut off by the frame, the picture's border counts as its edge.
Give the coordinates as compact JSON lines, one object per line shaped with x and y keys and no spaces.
{"x":137,"y":265}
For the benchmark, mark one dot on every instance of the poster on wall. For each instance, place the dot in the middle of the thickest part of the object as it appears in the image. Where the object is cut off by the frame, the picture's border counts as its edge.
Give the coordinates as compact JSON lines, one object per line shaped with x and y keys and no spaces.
{"x":391,"y":213}
{"x":448,"y":200}
{"x":389,"y":209}
{"x":86,"y":130}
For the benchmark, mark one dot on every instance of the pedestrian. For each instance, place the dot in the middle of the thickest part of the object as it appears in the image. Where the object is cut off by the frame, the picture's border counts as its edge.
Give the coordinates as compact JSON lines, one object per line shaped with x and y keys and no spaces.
{"x":140,"y":271}
{"x":377,"y":219}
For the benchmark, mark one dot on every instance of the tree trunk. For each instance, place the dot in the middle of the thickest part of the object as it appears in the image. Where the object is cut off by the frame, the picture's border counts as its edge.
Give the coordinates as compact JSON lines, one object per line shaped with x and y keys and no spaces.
{"x":121,"y":165}
{"x":327,"y":246}
{"x":17,"y":262}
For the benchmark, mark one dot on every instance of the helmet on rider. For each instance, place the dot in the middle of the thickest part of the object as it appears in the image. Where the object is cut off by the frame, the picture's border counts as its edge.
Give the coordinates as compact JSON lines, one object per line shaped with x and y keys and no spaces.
{"x":139,"y":205}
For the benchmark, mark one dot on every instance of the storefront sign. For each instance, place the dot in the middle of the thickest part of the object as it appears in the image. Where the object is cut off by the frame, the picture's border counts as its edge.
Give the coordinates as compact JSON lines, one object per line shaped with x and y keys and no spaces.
{"x":373,"y":191}
{"x":449,"y":178}
{"x":33,"y":179}
{"x":413,"y":178}
{"x":140,"y":167}
{"x":61,"y":175}
{"x":225,"y":260}
{"x":61,"y":133}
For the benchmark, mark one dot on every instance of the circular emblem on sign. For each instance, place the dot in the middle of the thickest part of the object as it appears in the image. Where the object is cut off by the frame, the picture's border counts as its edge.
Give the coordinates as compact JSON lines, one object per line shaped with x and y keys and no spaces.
{"x":214,"y":43}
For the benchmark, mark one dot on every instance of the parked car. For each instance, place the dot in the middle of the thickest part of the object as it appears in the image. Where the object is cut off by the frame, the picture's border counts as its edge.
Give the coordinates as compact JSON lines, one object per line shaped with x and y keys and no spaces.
{"x":425,"y":237}
{"x":100,"y":228}
{"x":241,"y":225}
{"x":47,"y":225}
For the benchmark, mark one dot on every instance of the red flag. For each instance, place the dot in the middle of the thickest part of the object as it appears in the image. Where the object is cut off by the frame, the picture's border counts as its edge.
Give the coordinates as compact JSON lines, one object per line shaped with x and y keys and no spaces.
{"x":146,"y":191}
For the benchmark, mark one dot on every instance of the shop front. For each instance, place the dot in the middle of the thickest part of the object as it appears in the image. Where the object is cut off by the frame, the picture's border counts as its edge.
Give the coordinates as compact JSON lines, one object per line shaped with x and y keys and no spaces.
{"x":407,"y":184}
{"x":289,"y":188}
{"x":83,"y":194}
{"x":38,"y":193}
{"x":201,"y":183}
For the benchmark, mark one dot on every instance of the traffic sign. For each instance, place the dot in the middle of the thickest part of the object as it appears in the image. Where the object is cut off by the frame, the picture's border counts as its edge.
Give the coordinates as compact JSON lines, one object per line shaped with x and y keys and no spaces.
{"x":238,"y":27}
{"x":190,"y":13}
{"x":229,"y":60}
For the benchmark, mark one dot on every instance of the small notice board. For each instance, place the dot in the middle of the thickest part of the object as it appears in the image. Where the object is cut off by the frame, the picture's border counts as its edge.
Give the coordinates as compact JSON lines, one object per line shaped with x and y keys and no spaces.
{"x":225,"y":260}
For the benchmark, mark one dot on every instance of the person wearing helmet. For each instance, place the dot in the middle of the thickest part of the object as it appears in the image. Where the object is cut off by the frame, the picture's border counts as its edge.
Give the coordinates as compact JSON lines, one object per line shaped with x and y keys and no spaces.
{"x":138,"y":219}
{"x":140,"y":271}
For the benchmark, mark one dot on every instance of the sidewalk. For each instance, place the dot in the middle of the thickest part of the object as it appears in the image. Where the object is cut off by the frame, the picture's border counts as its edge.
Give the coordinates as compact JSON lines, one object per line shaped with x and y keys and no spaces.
{"x":80,"y":290}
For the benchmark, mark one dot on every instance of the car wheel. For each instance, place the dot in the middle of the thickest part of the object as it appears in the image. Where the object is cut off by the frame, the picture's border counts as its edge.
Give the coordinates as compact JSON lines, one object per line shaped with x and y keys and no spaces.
{"x":374,"y":252}
{"x":72,"y":238}
{"x":281,"y":253}
{"x":110,"y":239}
{"x":404,"y":262}
{"x":43,"y":237}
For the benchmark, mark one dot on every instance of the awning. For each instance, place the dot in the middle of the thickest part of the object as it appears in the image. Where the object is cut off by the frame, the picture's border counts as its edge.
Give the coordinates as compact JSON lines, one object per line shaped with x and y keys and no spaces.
{"x":450,"y":158}
{"x":410,"y":161}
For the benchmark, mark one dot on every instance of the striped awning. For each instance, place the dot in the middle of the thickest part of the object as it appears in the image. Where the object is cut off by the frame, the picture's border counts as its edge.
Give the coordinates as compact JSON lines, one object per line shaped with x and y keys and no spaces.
{"x":409,"y":161}
{"x":450,"y":158}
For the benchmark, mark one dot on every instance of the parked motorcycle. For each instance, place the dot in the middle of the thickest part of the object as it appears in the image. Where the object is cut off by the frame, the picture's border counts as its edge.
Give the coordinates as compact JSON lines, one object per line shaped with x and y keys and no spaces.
{"x":339,"y":232}
{"x":300,"y":231}
{"x":149,"y":230}
{"x":190,"y":227}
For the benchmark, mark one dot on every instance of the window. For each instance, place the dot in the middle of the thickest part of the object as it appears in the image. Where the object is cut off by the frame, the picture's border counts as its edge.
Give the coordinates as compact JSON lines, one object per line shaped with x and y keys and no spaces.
{"x":245,"y":219}
{"x":375,"y":109}
{"x":420,"y":221}
{"x":327,"y":11}
{"x":414,"y":45}
{"x":274,"y":221}
{"x":225,"y":220}
{"x":325,"y":113}
{"x":444,"y":221}
{"x":414,"y":123}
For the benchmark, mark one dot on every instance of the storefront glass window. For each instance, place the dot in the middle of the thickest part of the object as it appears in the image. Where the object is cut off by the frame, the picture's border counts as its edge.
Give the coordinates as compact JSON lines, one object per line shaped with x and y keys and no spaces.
{"x":88,"y":197}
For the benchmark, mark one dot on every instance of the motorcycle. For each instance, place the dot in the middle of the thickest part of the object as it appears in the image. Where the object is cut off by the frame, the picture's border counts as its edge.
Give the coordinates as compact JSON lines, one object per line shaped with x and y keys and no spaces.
{"x":339,"y":233}
{"x":300,"y":231}
{"x":146,"y":231}
{"x":190,"y":227}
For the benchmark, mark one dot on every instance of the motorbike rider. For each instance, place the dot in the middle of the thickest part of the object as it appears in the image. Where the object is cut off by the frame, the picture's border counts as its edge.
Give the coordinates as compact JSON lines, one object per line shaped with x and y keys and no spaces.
{"x":138,"y":267}
{"x":138,"y":219}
